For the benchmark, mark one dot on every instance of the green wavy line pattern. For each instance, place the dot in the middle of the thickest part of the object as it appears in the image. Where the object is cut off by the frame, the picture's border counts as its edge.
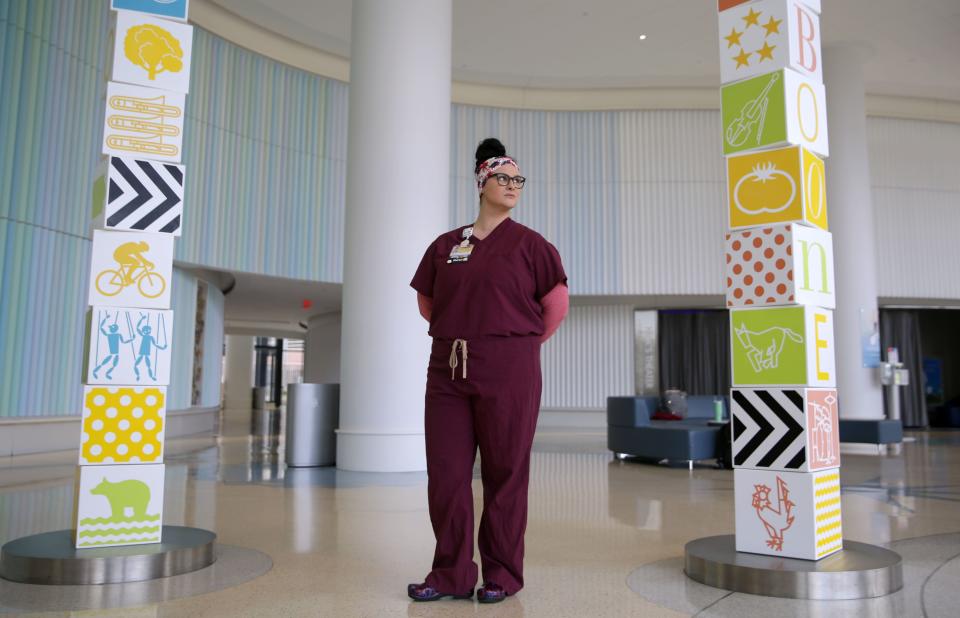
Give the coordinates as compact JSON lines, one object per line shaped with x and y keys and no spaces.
{"x":92,"y":521}
{"x":115,"y":531}
{"x":149,"y":539}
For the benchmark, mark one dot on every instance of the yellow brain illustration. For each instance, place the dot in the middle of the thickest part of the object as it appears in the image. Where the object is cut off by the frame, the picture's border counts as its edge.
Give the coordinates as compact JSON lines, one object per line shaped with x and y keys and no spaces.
{"x":123,"y":425}
{"x":153,"y":49}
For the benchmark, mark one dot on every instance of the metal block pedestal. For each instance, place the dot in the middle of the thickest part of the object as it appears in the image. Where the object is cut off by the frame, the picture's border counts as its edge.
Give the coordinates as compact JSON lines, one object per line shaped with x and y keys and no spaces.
{"x":859,"y":571}
{"x":51,"y":558}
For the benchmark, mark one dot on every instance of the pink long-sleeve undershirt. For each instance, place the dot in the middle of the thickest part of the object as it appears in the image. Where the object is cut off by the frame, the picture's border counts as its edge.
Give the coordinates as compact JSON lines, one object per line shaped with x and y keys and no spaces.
{"x":555,"y":304}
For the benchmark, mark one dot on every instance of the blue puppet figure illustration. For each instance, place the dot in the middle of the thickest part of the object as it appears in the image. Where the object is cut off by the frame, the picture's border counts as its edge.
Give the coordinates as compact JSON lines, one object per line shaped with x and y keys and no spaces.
{"x":114,"y":339}
{"x":147,"y":345}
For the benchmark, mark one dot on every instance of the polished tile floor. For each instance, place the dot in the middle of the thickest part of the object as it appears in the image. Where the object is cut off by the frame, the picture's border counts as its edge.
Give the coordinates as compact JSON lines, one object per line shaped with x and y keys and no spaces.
{"x":605,"y":537}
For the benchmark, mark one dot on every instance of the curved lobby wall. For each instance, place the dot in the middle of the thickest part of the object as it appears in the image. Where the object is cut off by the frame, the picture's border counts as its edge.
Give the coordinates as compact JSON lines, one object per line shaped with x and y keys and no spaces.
{"x":633,"y":199}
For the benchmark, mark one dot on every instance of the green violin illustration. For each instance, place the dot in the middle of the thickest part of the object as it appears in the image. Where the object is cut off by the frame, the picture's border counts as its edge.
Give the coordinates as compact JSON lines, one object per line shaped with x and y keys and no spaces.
{"x":752,"y":116}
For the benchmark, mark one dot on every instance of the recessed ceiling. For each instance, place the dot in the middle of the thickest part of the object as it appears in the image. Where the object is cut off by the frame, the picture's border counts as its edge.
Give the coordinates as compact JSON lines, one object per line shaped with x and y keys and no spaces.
{"x":574,"y":44}
{"x":274,"y":306}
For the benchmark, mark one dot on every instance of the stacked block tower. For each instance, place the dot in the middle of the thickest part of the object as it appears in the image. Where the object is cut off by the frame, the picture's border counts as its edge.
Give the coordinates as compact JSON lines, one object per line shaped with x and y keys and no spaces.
{"x":779,"y":280}
{"x":138,"y":205}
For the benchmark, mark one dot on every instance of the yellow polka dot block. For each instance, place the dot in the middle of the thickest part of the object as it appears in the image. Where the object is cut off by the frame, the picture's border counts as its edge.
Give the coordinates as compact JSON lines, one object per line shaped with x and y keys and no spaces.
{"x":123,"y":425}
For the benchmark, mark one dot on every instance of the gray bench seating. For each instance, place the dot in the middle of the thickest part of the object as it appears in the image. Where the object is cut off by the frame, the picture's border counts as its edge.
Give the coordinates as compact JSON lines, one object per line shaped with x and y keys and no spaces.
{"x":631,"y":430}
{"x":880,"y":431}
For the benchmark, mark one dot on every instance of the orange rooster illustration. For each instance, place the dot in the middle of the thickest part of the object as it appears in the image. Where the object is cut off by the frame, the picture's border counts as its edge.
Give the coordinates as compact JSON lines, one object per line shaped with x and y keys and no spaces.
{"x":776,"y":520}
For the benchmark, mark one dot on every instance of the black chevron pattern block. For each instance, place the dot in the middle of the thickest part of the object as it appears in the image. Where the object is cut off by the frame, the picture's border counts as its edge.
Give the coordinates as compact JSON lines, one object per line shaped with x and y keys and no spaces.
{"x":769,"y":429}
{"x":144,"y":196}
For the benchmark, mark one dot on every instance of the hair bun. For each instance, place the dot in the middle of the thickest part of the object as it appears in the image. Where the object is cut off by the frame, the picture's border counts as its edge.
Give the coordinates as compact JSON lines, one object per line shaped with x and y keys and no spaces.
{"x":490,"y":147}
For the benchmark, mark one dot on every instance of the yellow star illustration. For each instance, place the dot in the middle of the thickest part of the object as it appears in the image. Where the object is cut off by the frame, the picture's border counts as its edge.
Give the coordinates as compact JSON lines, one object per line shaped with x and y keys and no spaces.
{"x":733,"y":38}
{"x":772,"y":27}
{"x":742,"y":58}
{"x":766,"y":52}
{"x":752,"y":18}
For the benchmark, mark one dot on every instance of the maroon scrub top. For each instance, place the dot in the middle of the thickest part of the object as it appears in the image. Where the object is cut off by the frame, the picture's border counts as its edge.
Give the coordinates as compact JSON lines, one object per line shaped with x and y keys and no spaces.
{"x":497,"y":291}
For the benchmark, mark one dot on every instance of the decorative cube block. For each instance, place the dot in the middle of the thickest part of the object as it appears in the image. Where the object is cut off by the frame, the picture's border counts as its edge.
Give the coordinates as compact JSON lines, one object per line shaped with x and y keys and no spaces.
{"x":131,"y":269}
{"x":794,"y":430}
{"x":153,"y":52}
{"x":769,"y":35}
{"x":776,"y":186}
{"x":129,"y":346}
{"x":722,"y":5}
{"x":172,"y":9}
{"x":789,"y":346}
{"x":774,"y":109}
{"x":788,"y":514}
{"x":139,"y":196}
{"x":123,"y":425}
{"x":119,"y":505}
{"x":143,"y":122}
{"x":780,"y":265}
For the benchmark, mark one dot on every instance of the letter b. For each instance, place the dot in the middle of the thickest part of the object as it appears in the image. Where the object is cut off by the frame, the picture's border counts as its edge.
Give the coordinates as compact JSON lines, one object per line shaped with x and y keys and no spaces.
{"x":806,"y":36}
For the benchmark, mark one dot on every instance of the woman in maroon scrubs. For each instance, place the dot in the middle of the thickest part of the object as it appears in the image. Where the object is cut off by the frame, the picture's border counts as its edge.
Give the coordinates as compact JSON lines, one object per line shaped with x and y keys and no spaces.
{"x":492,"y":292}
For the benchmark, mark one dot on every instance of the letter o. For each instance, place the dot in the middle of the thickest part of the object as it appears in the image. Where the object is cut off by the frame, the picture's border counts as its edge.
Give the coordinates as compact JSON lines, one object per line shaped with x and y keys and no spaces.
{"x":816,"y":113}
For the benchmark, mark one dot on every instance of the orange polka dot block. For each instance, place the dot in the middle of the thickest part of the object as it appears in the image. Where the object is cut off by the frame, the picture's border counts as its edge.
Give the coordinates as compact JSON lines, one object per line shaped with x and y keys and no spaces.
{"x":783,"y":185}
{"x":787,"y":264}
{"x":123,"y":425}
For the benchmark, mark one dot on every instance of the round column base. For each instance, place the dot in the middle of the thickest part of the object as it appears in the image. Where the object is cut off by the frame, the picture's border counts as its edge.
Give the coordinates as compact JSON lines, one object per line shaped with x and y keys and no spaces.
{"x":51,"y":558}
{"x":859,"y":571}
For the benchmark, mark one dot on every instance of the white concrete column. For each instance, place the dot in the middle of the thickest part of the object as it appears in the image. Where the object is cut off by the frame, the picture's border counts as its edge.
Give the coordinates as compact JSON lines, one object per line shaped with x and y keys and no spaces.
{"x":397,"y":202}
{"x":321,"y":349}
{"x":850,"y":210}
{"x":239,"y":372}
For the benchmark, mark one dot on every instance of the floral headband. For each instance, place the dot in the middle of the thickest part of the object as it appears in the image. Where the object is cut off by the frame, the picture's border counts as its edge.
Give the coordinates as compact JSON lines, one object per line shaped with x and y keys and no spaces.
{"x":488,"y":166}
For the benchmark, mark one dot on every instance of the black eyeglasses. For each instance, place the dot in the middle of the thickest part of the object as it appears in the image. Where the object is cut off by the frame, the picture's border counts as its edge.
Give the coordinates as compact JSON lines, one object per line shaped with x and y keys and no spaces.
{"x":503,"y":180}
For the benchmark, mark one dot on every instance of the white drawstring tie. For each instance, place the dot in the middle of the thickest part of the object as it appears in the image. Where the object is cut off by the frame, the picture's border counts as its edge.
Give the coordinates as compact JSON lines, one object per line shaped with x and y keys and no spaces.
{"x":462,"y":344}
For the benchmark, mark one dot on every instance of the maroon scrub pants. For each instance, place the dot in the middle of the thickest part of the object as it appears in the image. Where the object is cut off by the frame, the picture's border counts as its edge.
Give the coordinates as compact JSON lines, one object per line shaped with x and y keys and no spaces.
{"x":495,"y":408}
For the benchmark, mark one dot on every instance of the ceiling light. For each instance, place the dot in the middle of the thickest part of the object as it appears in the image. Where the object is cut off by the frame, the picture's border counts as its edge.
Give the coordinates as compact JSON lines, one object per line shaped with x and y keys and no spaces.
{"x":643,"y":37}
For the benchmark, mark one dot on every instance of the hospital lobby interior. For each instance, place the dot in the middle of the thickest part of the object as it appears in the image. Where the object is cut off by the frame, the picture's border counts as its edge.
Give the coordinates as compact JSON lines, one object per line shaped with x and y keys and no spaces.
{"x":214,"y":388}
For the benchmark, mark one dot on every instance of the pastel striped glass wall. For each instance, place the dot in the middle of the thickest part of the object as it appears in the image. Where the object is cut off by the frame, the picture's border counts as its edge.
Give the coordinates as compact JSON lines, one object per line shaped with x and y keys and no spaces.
{"x":50,"y":72}
{"x":265,"y":147}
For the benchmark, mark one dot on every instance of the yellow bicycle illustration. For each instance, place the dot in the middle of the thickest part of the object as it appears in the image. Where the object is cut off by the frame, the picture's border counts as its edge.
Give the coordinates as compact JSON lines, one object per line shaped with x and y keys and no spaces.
{"x":132,"y":269}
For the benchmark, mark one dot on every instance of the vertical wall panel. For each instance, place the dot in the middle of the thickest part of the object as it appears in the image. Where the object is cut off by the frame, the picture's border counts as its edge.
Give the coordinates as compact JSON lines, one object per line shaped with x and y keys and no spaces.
{"x":633,"y":200}
{"x":183,"y":301}
{"x":589,"y":358}
{"x":916,"y":197}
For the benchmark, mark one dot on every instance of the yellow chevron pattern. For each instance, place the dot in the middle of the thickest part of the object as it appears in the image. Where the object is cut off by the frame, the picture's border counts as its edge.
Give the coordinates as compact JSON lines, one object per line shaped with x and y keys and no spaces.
{"x":827,"y":478}
{"x":825,"y":504}
{"x":821,"y":517}
{"x":829,"y":527}
{"x":830,"y":540}
{"x":829,"y":550}
{"x":827,"y":491}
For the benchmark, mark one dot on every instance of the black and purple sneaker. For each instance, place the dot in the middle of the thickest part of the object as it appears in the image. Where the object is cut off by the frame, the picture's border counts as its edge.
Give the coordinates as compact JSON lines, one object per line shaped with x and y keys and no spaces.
{"x":423,"y":592}
{"x":491,"y":593}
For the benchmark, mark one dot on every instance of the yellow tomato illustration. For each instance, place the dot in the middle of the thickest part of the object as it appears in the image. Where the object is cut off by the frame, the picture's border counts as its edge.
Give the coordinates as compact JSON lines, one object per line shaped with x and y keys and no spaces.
{"x":764,"y":189}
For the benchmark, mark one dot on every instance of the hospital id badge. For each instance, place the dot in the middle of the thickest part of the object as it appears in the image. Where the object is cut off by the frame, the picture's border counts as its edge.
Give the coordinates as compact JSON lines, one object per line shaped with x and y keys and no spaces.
{"x":460,"y":253}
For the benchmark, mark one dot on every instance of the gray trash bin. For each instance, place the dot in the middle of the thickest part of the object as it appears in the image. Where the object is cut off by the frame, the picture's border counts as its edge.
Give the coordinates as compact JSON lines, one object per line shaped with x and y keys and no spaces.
{"x":313,"y":413}
{"x":259,"y":401}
